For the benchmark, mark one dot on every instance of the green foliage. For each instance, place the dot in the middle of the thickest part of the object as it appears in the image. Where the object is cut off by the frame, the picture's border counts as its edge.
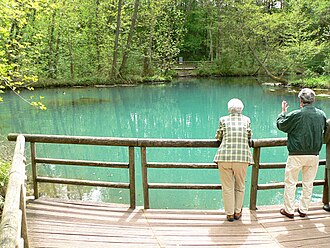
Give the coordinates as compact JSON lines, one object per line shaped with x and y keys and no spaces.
{"x":51,"y":42}
{"x":4,"y":172}
{"x":194,"y":46}
{"x":2,"y":202}
{"x":6,"y":153}
{"x":18,"y":46}
{"x":209,"y":69}
{"x":167,"y":34}
{"x":313,"y":81}
{"x":157,"y":78}
{"x":326,"y":67}
{"x":293,"y":38}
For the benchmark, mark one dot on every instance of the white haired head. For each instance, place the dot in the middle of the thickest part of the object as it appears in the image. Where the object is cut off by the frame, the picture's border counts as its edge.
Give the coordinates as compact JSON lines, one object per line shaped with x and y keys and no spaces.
{"x":307,"y":96}
{"x":235,"y":106}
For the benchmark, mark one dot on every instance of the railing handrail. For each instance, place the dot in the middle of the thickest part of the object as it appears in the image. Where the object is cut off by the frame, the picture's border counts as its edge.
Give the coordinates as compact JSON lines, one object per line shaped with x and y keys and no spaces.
{"x":138,"y":142}
{"x":144,"y":143}
{"x":13,"y":228}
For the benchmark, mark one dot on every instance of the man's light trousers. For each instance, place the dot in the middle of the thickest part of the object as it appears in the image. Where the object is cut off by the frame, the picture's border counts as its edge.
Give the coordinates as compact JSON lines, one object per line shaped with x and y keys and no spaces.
{"x":308,"y":165}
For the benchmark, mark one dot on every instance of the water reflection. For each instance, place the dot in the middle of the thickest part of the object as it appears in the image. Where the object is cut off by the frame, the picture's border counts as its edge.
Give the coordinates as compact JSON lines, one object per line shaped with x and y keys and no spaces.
{"x":184,"y":109}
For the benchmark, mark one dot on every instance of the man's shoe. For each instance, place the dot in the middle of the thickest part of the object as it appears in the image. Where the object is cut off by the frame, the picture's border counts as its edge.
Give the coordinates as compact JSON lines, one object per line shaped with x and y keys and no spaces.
{"x":326,"y":207}
{"x":303,"y":215}
{"x":230,"y":218}
{"x":237,"y":216}
{"x":283,"y":212}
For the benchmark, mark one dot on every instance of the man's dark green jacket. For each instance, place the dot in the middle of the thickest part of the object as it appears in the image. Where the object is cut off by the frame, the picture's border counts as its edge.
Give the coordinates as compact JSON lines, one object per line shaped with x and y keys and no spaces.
{"x":305,"y":128}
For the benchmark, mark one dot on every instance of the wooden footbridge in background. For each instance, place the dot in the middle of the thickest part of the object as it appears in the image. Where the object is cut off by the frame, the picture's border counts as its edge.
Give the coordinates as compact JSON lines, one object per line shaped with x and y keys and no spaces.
{"x":62,"y":223}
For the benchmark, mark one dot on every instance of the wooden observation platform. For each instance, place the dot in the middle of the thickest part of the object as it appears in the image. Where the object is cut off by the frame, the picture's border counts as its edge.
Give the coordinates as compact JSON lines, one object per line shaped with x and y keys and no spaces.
{"x":54,"y":223}
{"x":70,"y":224}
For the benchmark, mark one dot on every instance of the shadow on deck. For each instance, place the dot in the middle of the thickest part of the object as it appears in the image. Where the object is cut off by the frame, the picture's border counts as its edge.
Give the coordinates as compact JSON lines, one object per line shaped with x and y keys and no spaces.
{"x":59,"y":223}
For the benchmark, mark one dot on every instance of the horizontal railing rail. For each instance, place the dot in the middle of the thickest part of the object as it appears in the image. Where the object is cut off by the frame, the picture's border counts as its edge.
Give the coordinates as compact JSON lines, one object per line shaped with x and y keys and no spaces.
{"x":13,"y":228}
{"x":111,"y":141}
{"x":143,"y":144}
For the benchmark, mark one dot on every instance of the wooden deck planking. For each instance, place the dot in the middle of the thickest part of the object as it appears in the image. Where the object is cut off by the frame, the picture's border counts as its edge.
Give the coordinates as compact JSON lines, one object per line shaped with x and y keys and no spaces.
{"x":58,"y":223}
{"x":311,"y":231}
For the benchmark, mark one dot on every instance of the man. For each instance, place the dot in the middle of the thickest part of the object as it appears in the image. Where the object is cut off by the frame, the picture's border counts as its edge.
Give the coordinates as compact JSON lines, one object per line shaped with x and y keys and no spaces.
{"x":305,"y":128}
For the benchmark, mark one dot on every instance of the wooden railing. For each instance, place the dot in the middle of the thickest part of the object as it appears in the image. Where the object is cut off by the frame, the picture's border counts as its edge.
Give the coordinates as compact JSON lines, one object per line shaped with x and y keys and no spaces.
{"x":143,"y":144}
{"x":258,"y":165}
{"x":13,"y":228}
{"x":58,"y":139}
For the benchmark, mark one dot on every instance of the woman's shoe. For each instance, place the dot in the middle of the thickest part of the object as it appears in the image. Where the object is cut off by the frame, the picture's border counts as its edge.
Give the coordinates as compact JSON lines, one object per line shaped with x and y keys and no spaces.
{"x":230,"y":218}
{"x":237,"y":216}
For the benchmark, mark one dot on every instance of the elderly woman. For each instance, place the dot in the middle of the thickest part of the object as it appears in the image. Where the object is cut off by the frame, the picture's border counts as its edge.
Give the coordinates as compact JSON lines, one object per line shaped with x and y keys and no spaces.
{"x":233,"y":157}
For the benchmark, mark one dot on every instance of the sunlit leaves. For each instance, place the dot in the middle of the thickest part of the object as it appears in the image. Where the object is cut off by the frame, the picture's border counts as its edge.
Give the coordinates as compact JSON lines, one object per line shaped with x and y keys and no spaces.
{"x":20,"y":44}
{"x":39,"y":105}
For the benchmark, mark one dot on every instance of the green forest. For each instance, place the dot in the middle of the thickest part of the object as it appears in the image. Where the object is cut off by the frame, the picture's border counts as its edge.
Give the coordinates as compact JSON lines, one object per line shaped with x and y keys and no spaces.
{"x":82,"y":42}
{"x":49,"y":43}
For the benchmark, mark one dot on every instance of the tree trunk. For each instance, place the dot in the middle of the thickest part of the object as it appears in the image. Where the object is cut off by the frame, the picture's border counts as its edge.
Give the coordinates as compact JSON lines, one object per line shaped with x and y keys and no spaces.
{"x":188,"y":10}
{"x":51,"y":49}
{"x":211,"y":45}
{"x":146,"y":63}
{"x":57,"y":53}
{"x":97,"y":38}
{"x":115,"y":49}
{"x":130,"y":37}
{"x":147,"y":67}
{"x":210,"y":33}
{"x":71,"y":57}
{"x":218,"y":45}
{"x":12,"y":51}
{"x":277,"y":79}
{"x":255,"y":55}
{"x":16,"y":34}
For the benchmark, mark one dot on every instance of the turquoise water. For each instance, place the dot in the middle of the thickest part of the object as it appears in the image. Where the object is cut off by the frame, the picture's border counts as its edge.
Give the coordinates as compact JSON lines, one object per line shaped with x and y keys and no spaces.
{"x":187,"y":108}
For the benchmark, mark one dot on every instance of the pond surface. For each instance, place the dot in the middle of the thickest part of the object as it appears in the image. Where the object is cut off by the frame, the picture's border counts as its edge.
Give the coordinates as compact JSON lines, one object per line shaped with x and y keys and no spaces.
{"x":188,"y":108}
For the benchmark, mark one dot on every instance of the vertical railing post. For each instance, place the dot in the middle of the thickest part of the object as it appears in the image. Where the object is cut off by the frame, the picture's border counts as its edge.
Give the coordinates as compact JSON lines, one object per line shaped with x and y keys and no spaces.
{"x":34,"y":170}
{"x":254,"y":178}
{"x":325,"y":198}
{"x":132,"y":177}
{"x":145,"y":178}
{"x":24,"y":230}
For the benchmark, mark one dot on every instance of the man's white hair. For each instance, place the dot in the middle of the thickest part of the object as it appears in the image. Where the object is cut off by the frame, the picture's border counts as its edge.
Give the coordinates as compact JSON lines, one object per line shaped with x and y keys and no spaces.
{"x":307,"y":95}
{"x":235,"y":106}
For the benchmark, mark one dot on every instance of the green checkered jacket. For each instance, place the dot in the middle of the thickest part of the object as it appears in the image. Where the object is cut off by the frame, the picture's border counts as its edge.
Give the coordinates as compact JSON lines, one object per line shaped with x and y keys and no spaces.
{"x":234,"y":133}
